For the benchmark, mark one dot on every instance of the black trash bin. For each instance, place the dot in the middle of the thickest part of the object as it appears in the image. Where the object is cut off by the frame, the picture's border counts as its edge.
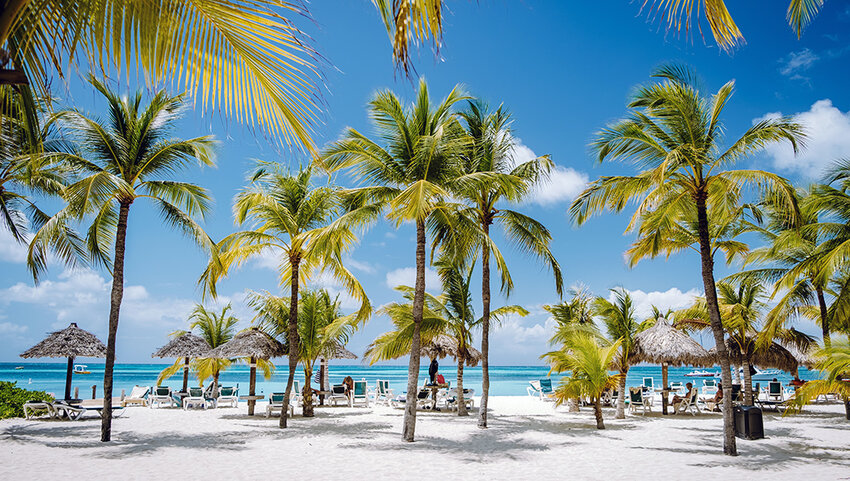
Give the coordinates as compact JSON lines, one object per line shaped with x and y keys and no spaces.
{"x":748,"y":422}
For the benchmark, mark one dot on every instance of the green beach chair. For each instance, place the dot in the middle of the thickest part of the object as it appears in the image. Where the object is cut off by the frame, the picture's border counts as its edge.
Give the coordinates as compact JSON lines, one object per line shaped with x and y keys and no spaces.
{"x":195,"y":398}
{"x":361,"y":393}
{"x":638,"y":400}
{"x":276,"y":404}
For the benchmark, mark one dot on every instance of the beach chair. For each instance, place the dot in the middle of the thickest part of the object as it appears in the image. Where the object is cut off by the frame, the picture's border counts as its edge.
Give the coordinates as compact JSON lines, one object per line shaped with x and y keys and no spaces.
{"x":423,"y":399}
{"x":75,"y":412}
{"x":541,"y":388}
{"x":709,"y":387}
{"x":383,"y":394}
{"x":195,"y":398}
{"x":757,"y":392}
{"x":775,"y":391}
{"x":138,"y":396}
{"x":689,"y":403}
{"x":737,"y":393}
{"x":638,"y":400}
{"x":275,"y":404}
{"x":35,"y":409}
{"x":338,"y":394}
{"x":677,"y":387}
{"x":228,"y":395}
{"x":451,"y":399}
{"x":607,"y":397}
{"x":361,"y":393}
{"x":161,"y":395}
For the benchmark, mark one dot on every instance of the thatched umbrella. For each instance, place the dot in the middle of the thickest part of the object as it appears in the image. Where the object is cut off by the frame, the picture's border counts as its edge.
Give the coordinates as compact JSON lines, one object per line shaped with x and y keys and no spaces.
{"x":804,"y":357}
{"x":443,"y":346}
{"x":337,"y":351}
{"x":663,"y":344}
{"x":254,"y":344}
{"x":70,"y":342}
{"x":774,"y":357}
{"x":186,"y":346}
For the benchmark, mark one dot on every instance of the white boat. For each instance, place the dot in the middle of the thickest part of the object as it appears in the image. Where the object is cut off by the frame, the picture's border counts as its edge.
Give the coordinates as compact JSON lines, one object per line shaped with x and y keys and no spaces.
{"x":702,"y":374}
{"x":81,"y":369}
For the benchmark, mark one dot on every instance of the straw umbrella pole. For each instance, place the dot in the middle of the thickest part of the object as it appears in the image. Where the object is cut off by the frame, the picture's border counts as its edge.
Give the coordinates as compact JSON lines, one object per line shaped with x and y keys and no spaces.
{"x":71,"y":342}
{"x":253,"y":344}
{"x":663,"y":344}
{"x":187,"y":346}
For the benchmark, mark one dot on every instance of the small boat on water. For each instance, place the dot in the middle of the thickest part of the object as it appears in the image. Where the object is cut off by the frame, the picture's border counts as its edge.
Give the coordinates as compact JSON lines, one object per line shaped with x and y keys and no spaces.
{"x":702,"y":374}
{"x":19,"y":367}
{"x":81,"y":369}
{"x":765,"y":374}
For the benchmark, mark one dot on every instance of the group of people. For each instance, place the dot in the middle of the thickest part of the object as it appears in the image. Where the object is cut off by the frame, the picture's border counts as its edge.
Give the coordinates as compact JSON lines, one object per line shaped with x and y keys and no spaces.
{"x":434,"y":374}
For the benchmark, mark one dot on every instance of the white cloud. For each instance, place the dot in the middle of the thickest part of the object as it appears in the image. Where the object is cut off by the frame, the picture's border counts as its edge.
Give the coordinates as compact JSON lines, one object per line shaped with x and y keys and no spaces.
{"x":513,"y":328}
{"x":326,"y":281}
{"x":828,"y":131}
{"x":672,"y":298}
{"x":796,"y":62}
{"x":10,"y":249}
{"x":268,"y":259}
{"x":564,"y":183}
{"x":360,"y":266}
{"x":406,"y":276}
{"x":10,"y":328}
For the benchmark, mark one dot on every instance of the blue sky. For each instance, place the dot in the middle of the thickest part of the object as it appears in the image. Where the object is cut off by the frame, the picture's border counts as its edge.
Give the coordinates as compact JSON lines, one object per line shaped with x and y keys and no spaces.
{"x":564,"y":70}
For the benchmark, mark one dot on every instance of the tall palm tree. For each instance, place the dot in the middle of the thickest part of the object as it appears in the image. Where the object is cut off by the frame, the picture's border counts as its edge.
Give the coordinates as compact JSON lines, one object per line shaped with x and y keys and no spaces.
{"x":491,"y":176}
{"x":618,"y":316}
{"x":412,"y":173}
{"x":306,"y":226}
{"x":674,"y":134}
{"x":130,"y":157}
{"x":322,"y":330}
{"x":245,"y":58}
{"x":588,"y":361}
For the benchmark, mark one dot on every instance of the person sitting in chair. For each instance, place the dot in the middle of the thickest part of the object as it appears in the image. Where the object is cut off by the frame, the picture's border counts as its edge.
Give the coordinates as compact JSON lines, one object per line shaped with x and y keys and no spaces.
{"x":678,"y":399}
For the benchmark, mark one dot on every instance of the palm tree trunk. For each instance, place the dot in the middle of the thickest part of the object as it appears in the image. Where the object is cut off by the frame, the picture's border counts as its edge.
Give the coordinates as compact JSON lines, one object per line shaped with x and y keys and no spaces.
{"x":748,"y":381}
{"x":461,"y":403}
{"x":307,"y":392}
{"x":485,"y":328}
{"x":707,"y":258}
{"x":114,"y":309}
{"x":294,"y":262}
{"x":824,"y":319}
{"x":597,"y":409}
{"x":409,"y":428}
{"x":621,"y":399}
{"x":215,"y":382}
{"x":185,"y":374}
{"x":738,"y":370}
{"x":11,"y":10}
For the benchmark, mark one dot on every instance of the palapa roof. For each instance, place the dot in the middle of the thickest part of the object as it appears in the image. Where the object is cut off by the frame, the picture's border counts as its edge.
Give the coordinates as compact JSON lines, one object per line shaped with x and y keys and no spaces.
{"x":442,"y":346}
{"x":804,"y":357}
{"x":775,"y":357}
{"x":69,"y":342}
{"x":664,"y":344}
{"x":186,"y":345}
{"x":249,"y":343}
{"x":338,"y":351}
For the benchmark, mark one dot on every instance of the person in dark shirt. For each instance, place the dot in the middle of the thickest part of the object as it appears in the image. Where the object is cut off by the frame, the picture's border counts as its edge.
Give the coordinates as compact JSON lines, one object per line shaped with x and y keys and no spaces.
{"x":432,"y":370}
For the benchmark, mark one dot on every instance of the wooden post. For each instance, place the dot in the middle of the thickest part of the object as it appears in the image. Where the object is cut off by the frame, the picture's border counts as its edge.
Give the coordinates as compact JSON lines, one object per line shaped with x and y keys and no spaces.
{"x":77,"y":392}
{"x":252,"y":385}
{"x":68,"y":375}
{"x":94,"y":391}
{"x":664,"y":388}
{"x":123,"y":395}
{"x":186,"y":375}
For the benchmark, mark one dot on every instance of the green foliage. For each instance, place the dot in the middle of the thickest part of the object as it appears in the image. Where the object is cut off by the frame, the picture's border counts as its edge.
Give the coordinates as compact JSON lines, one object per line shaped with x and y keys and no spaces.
{"x":12,"y":399}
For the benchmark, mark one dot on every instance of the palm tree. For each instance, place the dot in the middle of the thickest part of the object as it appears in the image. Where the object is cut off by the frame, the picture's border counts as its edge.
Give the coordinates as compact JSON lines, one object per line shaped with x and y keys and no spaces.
{"x":245,"y":58}
{"x":411,"y":173}
{"x":618,"y":316}
{"x":490,"y":177}
{"x":129,"y":158}
{"x":588,"y":362}
{"x":322,"y":330}
{"x":306,"y":226}
{"x":450,"y":314}
{"x":674,"y":133}
{"x":215,"y":329}
{"x":834,"y":365}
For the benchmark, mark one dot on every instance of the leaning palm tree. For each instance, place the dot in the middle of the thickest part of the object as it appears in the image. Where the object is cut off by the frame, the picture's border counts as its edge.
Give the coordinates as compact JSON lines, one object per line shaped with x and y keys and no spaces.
{"x":618,"y":317}
{"x":834,"y":366}
{"x":306,"y":226}
{"x":490,"y":177}
{"x":322,"y":330}
{"x":245,"y":58}
{"x":129,"y":158}
{"x":412,"y":173}
{"x":588,"y":361}
{"x":674,"y":134}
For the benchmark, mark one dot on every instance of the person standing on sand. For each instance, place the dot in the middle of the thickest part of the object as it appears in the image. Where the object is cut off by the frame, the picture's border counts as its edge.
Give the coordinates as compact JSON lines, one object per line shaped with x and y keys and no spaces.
{"x":432,"y":369}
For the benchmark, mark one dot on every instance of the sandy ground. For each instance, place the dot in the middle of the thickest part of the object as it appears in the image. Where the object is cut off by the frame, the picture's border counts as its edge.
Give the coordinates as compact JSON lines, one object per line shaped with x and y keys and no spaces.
{"x":527,"y":439}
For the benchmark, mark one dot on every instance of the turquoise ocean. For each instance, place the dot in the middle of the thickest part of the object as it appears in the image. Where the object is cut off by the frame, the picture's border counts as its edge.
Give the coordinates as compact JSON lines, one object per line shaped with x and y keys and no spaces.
{"x":504,"y":380}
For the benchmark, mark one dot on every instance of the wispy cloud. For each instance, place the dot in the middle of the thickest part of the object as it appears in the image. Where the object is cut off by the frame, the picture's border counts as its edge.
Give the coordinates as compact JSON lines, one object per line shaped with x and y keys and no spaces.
{"x":406,"y":276}
{"x":795,"y":63}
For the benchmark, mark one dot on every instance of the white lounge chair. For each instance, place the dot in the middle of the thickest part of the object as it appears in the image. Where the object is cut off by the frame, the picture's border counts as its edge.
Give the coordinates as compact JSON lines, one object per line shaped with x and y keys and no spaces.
{"x":360,"y":394}
{"x":195,"y":398}
{"x":35,"y":409}
{"x":138,"y":396}
{"x":451,"y":399}
{"x":423,"y":399}
{"x":638,"y":400}
{"x":383,"y":394}
{"x":775,"y":392}
{"x":542,"y":389}
{"x":276,"y":404}
{"x":689,"y":403}
{"x":159,"y":396}
{"x":338,"y":394}
{"x":228,"y":395}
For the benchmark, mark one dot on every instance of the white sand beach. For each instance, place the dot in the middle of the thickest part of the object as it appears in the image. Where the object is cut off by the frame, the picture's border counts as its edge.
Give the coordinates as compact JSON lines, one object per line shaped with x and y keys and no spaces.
{"x":527,"y":439}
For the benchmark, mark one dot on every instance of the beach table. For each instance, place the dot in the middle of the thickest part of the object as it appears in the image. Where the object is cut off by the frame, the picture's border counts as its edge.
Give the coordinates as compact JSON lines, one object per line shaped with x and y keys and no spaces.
{"x":321,"y":395}
{"x":435,"y":388}
{"x":252,"y":400}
